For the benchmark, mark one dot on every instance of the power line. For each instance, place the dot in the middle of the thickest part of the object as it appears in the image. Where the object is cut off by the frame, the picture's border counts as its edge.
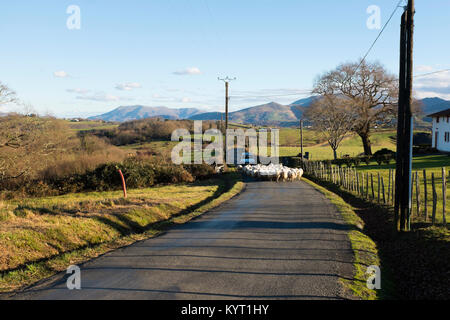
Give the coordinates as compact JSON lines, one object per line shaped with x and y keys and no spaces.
{"x":275,"y":95}
{"x":379,"y":35}
{"x":430,"y":73}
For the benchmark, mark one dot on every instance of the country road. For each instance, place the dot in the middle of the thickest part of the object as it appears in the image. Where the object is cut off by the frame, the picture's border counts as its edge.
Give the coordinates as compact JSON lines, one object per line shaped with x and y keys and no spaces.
{"x":273,"y":241}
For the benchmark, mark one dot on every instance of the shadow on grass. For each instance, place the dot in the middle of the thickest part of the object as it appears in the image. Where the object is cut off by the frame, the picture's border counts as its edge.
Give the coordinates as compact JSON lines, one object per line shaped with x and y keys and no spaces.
{"x":414,"y":264}
{"x":127,"y":226}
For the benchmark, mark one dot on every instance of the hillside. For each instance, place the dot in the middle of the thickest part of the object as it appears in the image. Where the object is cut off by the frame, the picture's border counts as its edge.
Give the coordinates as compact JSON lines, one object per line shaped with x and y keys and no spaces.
{"x":128,"y":113}
{"x":433,"y":105}
{"x":266,"y":114}
{"x":270,"y":113}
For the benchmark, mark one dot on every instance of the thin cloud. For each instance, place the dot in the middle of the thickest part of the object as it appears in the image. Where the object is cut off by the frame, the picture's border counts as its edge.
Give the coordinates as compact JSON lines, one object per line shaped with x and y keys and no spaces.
{"x":102,"y":97}
{"x":128,"y":86}
{"x":61,"y":74}
{"x":433,"y":85}
{"x":424,"y":68}
{"x":78,"y":90}
{"x":188,"y":71}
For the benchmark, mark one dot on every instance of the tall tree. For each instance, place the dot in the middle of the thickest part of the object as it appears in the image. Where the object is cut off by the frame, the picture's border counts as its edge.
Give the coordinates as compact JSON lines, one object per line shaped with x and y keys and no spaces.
{"x":333,"y":117}
{"x":373,"y":93}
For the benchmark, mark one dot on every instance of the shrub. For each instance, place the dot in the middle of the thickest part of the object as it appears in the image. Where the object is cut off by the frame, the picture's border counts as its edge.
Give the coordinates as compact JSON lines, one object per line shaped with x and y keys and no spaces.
{"x":384,"y":156}
{"x":366,"y":159}
{"x":356,"y":161}
{"x":200,"y":171}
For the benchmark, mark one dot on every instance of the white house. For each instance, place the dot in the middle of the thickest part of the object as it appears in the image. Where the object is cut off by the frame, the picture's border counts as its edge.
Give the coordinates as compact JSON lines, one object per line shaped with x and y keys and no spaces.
{"x":441,"y":130}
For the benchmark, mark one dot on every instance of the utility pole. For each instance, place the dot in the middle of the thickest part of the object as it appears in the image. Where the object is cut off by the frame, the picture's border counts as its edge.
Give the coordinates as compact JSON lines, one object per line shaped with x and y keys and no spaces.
{"x":301,"y":138}
{"x":405,"y":122}
{"x":227,"y":81}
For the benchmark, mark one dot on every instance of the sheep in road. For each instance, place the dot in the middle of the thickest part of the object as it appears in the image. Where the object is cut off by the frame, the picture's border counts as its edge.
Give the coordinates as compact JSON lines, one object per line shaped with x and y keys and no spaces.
{"x":273,"y":172}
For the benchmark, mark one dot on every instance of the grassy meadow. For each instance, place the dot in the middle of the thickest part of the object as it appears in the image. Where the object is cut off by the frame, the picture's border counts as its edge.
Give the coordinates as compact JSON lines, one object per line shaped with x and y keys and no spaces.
{"x":351,"y":145}
{"x":41,"y":236}
{"x":433,"y":164}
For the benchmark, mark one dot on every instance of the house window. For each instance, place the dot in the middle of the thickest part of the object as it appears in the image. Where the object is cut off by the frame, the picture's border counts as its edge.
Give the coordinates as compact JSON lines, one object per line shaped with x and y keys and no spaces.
{"x":447,"y":137}
{"x":437,"y":120}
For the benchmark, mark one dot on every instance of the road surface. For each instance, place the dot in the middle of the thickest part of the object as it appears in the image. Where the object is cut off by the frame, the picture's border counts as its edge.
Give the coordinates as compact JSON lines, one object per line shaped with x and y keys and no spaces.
{"x":273,"y":241}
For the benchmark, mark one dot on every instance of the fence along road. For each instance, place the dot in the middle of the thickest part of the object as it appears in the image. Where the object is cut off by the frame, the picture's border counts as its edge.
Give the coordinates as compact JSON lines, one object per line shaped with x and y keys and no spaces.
{"x":274,"y":241}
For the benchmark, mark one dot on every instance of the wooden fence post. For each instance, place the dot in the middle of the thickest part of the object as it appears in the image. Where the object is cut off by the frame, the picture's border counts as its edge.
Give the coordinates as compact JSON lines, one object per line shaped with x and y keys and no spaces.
{"x":425,"y":205}
{"x":371,"y":182}
{"x":389,"y":188}
{"x":417,"y":193}
{"x":367,"y":185}
{"x":382,"y":187}
{"x":358,"y":190}
{"x":433,"y":184}
{"x":444,"y":196}
{"x":362,"y":184}
{"x":393,"y":187}
{"x":379,"y":187}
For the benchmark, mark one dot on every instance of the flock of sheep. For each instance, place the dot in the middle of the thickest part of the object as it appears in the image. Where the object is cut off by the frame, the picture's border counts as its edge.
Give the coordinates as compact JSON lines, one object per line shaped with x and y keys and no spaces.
{"x":272,"y":172}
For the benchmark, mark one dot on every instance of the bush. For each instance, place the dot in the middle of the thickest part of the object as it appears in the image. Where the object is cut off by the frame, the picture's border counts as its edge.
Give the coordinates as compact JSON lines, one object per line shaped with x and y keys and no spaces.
{"x":384,"y":156}
{"x":356,"y":161}
{"x":200,"y":171}
{"x":366,"y":159}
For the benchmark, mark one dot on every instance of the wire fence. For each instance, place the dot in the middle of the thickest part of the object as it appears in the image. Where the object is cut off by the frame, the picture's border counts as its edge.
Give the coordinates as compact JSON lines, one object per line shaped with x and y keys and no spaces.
{"x":428,"y":188}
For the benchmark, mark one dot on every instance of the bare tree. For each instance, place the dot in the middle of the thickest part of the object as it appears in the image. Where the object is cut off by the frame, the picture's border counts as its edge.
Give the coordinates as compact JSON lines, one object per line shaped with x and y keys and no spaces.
{"x":6,"y":95}
{"x":373,"y":93}
{"x":333,"y":117}
{"x":27,"y":142}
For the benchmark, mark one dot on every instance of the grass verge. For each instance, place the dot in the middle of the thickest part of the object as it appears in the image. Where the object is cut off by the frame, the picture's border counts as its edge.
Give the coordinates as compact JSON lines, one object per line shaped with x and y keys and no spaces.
{"x":41,"y":237}
{"x":364,"y":249}
{"x":414,"y":265}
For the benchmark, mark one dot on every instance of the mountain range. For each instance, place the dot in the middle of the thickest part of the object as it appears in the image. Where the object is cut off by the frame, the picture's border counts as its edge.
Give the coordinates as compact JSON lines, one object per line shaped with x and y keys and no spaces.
{"x":128,"y":113}
{"x":270,"y":113}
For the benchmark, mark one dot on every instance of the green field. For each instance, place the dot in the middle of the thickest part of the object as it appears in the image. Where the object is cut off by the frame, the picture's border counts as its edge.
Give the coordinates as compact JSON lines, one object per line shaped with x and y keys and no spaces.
{"x":351,"y":146}
{"x":91,"y":125}
{"x":433,"y":164}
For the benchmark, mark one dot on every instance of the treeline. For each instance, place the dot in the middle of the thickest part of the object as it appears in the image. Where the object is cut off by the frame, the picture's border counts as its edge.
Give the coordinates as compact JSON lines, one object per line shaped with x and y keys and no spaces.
{"x":41,"y":156}
{"x":140,"y":131}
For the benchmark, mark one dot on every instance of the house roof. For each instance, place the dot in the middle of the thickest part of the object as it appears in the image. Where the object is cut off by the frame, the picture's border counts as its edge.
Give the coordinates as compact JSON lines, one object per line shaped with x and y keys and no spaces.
{"x":444,"y":113}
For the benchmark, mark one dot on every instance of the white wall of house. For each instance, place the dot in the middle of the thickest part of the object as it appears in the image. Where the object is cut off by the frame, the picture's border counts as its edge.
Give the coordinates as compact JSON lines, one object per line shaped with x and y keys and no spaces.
{"x":441,"y":131}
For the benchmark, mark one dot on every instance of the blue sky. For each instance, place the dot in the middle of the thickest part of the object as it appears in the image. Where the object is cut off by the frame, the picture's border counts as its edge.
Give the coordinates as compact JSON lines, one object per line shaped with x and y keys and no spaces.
{"x":170,"y":52}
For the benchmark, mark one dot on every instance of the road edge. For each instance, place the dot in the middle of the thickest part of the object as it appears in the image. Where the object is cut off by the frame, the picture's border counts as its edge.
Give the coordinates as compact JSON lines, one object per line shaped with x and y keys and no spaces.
{"x":82,"y":256}
{"x":365,"y":251}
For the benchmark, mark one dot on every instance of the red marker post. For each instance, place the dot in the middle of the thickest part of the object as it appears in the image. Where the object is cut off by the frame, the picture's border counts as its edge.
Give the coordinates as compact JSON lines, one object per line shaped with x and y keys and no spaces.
{"x":123,"y":184}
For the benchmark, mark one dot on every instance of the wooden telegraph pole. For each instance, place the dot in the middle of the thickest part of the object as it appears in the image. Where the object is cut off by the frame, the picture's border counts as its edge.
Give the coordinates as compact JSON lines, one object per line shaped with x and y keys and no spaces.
{"x":301,"y":139}
{"x":227,"y":81}
{"x":405,"y":124}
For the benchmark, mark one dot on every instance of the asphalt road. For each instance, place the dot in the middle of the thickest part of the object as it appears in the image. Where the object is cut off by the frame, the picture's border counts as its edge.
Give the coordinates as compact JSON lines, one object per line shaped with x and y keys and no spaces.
{"x":273,"y":241}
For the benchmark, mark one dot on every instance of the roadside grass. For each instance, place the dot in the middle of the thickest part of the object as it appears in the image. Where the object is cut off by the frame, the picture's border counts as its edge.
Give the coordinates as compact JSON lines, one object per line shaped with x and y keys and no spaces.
{"x":432,"y":164}
{"x":414,"y":265}
{"x":40,"y":237}
{"x":364,"y":249}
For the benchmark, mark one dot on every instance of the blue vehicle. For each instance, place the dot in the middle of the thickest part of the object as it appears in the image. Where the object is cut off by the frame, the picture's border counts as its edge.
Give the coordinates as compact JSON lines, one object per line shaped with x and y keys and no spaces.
{"x":247,"y":158}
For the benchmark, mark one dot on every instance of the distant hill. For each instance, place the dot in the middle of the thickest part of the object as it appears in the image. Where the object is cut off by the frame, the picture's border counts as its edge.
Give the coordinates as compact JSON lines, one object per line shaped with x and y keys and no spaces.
{"x":128,"y":113}
{"x":270,"y":113}
{"x":433,"y":105}
{"x":267,"y":114}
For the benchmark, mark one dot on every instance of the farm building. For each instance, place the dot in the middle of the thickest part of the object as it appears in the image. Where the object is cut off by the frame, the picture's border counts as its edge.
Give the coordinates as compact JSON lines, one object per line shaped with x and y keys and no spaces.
{"x":441,"y":130}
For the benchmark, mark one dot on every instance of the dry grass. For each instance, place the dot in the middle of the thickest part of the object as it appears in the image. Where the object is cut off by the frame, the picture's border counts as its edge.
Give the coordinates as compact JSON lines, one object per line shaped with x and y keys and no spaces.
{"x":41,"y":236}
